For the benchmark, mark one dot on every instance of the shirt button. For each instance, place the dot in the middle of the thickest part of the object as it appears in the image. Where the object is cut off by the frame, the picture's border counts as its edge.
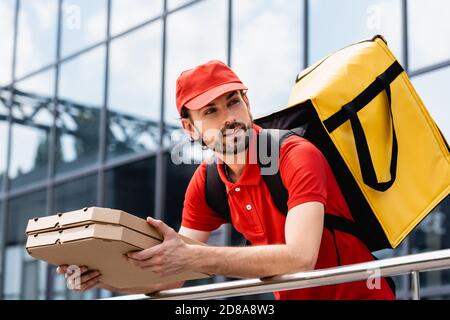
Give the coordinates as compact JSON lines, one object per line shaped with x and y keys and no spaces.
{"x":248,"y":207}
{"x":237,"y":189}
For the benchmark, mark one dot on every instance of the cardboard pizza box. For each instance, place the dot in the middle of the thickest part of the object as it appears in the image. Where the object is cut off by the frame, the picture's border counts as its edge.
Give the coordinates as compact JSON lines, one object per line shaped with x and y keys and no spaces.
{"x":98,"y":238}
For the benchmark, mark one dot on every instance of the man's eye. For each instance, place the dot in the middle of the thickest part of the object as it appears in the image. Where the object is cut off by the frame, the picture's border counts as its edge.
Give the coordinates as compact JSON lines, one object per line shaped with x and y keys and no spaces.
{"x":233,"y":102}
{"x":209,"y":111}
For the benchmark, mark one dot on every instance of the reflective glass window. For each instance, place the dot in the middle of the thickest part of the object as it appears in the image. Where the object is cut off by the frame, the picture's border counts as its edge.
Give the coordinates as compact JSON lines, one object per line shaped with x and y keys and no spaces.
{"x":267,"y":50}
{"x":433,"y":234}
{"x":83,"y":24}
{"x":173,"y":4}
{"x":135,"y":92}
{"x":81,"y":93}
{"x":20,"y":210}
{"x":428,"y":32}
{"x":336,"y":24}
{"x":129,"y":13}
{"x":7,"y":8}
{"x":13,"y":272}
{"x":132,"y":188}
{"x":76,"y":194}
{"x":195,"y":35}
{"x":433,"y":90}
{"x":32,"y":121}
{"x":36,"y":37}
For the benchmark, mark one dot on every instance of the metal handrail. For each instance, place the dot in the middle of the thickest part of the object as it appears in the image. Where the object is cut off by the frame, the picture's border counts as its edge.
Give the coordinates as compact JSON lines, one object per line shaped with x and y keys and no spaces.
{"x":411,"y":264}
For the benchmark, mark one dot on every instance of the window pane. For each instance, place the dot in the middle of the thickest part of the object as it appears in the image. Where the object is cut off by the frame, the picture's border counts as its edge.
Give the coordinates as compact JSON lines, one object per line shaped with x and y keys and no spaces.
{"x":32,"y":117}
{"x":179,"y":176}
{"x":76,"y":194}
{"x":13,"y":272}
{"x":7,"y":8}
{"x":401,"y":250}
{"x":336,"y":24}
{"x":191,"y":44}
{"x":20,"y":210}
{"x":80,"y":103}
{"x":429,"y":27}
{"x":135,"y":92}
{"x":129,"y":13}
{"x":173,"y":4}
{"x":36,"y":39}
{"x":260,"y":29}
{"x":30,"y":280}
{"x":433,"y":234}
{"x":3,"y":144}
{"x":42,"y":285}
{"x":132,"y":188}
{"x":59,"y":288}
{"x":433,"y":89}
{"x":84,"y":23}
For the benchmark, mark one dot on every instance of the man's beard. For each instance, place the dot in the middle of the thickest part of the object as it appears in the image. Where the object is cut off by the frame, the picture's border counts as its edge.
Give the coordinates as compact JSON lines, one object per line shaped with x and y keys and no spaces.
{"x":233,"y":145}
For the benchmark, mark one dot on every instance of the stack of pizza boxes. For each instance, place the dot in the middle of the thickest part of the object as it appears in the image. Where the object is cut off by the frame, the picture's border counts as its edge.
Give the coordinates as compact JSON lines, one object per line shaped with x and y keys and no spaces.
{"x":98,"y":238}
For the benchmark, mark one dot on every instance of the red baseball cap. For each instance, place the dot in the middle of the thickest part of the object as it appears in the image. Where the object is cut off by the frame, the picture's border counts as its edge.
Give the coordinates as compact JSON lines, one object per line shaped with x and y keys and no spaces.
{"x":199,"y":86}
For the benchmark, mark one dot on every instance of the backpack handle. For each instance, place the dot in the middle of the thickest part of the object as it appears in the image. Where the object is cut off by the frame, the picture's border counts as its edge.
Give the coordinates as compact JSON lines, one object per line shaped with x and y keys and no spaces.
{"x":362,"y":147}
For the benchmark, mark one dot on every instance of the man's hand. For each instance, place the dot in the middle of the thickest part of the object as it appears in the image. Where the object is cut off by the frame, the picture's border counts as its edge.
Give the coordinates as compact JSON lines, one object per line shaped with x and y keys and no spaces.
{"x":171,"y":257}
{"x":89,"y":279}
{"x":79,"y":279}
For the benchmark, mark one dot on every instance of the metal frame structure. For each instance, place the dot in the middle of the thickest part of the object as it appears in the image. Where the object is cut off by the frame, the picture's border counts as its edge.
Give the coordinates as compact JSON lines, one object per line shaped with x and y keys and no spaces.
{"x":104,"y":164}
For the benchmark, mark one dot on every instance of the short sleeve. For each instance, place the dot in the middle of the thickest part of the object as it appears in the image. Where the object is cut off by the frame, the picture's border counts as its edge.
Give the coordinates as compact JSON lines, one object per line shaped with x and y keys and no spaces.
{"x":303,"y":172}
{"x":196,"y":212}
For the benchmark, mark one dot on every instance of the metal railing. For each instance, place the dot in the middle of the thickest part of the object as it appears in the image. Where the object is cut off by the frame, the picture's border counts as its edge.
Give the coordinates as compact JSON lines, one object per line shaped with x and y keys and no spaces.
{"x":369,"y":271}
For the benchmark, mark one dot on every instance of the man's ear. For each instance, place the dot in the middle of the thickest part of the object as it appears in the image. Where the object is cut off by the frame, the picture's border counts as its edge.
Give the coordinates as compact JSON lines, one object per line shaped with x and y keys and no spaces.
{"x":189,"y":128}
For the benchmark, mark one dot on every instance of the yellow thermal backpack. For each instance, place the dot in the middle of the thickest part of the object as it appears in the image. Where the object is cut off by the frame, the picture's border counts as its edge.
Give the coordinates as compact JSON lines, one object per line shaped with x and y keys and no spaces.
{"x":390,"y":159}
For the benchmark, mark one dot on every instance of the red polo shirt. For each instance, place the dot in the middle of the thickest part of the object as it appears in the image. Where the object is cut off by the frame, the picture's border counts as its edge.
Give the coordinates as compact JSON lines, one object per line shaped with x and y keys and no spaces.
{"x":307,"y":176}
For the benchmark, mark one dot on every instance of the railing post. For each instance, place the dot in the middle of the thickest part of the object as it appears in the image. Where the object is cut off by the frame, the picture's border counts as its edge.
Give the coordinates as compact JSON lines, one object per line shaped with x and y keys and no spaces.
{"x":415,"y":283}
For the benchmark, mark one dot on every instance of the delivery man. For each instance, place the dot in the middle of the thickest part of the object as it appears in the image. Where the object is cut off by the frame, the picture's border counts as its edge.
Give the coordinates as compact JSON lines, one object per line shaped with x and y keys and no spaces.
{"x":215,"y":111}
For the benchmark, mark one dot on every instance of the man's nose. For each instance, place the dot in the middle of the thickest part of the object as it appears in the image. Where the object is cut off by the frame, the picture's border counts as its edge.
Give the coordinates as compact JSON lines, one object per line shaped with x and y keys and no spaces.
{"x":230,"y":116}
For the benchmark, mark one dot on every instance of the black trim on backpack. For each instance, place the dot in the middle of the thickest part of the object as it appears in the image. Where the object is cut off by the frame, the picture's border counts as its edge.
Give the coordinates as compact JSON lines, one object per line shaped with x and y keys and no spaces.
{"x":305,"y":113}
{"x":216,"y":193}
{"x":216,"y":196}
{"x":273,"y":182}
{"x":350,"y":112}
{"x":365,"y":97}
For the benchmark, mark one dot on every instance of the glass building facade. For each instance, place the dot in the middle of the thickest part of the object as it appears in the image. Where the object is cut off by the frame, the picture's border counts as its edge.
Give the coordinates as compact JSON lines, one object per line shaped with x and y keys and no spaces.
{"x":88,"y":116}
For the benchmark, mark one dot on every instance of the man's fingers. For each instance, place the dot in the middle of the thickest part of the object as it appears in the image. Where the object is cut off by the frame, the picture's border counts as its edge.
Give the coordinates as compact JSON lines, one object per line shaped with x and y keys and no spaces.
{"x":146,"y":253}
{"x":76,"y":282}
{"x":89,"y":275}
{"x":152,"y":261}
{"x":61,"y":269}
{"x":160,"y":226}
{"x":65,"y":269}
{"x":89,"y":284}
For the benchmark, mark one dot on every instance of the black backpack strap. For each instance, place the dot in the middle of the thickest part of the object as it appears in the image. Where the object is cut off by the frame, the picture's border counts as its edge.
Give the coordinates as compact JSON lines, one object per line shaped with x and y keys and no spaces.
{"x":273,"y":182}
{"x":215,"y":192}
{"x":217,"y":198}
{"x":280,"y":194}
